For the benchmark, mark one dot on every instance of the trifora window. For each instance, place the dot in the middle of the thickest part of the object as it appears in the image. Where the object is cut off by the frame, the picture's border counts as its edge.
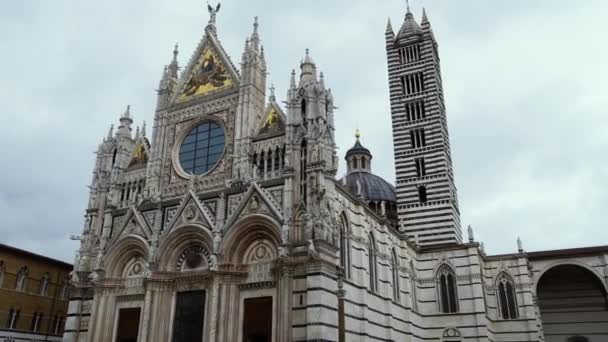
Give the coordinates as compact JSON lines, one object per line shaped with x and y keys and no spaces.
{"x":202,"y":148}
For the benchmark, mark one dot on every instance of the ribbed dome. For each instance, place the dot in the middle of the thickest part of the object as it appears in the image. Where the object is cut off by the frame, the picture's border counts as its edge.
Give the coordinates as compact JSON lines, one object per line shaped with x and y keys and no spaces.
{"x":373,"y":188}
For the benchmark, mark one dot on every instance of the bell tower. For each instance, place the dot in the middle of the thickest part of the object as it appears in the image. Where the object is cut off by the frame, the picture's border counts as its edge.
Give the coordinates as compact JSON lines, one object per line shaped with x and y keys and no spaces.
{"x":427,"y":203}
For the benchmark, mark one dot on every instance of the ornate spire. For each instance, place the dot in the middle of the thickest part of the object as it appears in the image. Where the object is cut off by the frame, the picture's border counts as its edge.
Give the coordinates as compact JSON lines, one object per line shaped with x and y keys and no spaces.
{"x":173,"y":68}
{"x":408,"y":5}
{"x":143,"y":129}
{"x":322,"y":80}
{"x":389,"y":26}
{"x":410,"y":26}
{"x":127,"y":114}
{"x":292,"y":82}
{"x":255,"y":37}
{"x":307,"y":67}
{"x":111,"y":132}
{"x":137,"y":133}
{"x":125,"y":123}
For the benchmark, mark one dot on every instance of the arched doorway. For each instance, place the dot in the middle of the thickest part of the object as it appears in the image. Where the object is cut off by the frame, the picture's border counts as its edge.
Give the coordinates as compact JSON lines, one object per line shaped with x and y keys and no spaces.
{"x":573,"y":305}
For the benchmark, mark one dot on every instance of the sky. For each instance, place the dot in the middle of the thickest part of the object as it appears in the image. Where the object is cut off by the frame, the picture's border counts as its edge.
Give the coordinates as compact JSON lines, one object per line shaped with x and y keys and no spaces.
{"x":524,"y":83}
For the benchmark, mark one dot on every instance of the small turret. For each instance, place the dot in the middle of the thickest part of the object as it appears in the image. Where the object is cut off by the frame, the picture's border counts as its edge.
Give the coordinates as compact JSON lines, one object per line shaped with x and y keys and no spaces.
{"x":308,"y":68}
{"x":124,"y":129}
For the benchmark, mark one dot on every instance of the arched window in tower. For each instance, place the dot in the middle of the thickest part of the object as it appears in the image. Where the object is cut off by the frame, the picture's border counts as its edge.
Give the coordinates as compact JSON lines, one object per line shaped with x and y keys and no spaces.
{"x":507,"y":300}
{"x":372,"y":263}
{"x":114,"y":154}
{"x":413,"y":286}
{"x":344,"y":246}
{"x":422,"y":194}
{"x":21,"y":283}
{"x":363,"y":163}
{"x":447,"y":291}
{"x":303,"y":166}
{"x":303,"y":112}
{"x":44,"y":285}
{"x":395,"y":267}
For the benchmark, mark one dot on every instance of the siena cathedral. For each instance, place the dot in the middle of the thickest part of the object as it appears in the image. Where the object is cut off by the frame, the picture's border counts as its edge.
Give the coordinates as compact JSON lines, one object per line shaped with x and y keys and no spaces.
{"x":230,"y":222}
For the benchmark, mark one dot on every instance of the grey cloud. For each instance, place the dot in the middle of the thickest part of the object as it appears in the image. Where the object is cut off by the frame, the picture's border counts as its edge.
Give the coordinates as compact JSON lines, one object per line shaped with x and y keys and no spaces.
{"x":523,"y":84}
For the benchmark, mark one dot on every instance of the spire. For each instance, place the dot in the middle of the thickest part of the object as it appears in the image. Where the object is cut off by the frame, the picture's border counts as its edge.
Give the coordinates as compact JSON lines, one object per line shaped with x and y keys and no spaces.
{"x":173,"y":68}
{"x":143,"y":129}
{"x":137,"y":133}
{"x":292,"y":82}
{"x":307,"y":67}
{"x":125,"y":123}
{"x":410,"y":26}
{"x":272,"y":97}
{"x":255,"y":37}
{"x":111,"y":132}
{"x":425,"y":23}
{"x":408,"y":5}
{"x":389,"y":26}
{"x":322,"y":80}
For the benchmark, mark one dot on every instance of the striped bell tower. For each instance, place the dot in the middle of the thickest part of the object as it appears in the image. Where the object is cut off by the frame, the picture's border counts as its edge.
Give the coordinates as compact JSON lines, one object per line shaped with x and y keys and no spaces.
{"x":426,"y":195}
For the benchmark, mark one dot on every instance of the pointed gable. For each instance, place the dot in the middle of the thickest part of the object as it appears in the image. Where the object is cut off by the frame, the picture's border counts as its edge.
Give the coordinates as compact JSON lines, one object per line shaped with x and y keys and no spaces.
{"x":255,"y":201}
{"x":273,"y":122}
{"x":190,"y":211}
{"x":209,"y":71}
{"x":133,"y":223}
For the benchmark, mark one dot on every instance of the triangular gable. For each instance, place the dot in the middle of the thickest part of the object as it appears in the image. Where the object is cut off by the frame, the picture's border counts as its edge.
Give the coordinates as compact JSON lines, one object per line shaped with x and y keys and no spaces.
{"x":209,"y":70}
{"x":273,"y":121}
{"x":134,"y":223}
{"x":255,"y":201}
{"x":140,"y":154}
{"x":190,"y":211}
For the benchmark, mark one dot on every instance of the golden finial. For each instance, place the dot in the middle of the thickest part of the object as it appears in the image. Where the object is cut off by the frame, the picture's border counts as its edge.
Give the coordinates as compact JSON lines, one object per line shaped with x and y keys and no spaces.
{"x":357,"y":134}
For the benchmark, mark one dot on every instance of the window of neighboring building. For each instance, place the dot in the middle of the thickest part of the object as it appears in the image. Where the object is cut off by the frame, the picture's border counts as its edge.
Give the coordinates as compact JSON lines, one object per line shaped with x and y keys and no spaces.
{"x":447,"y":291}
{"x":65,"y":291}
{"x":578,"y":339}
{"x":372,"y":263}
{"x":36,"y":321}
{"x":44,"y":285}
{"x":2,"y":270}
{"x":507,"y":301}
{"x":13,"y":319}
{"x":21,"y":282}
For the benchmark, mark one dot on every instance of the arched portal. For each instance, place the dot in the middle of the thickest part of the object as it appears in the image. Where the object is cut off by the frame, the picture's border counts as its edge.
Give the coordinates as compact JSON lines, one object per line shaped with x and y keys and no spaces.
{"x":573,"y":305}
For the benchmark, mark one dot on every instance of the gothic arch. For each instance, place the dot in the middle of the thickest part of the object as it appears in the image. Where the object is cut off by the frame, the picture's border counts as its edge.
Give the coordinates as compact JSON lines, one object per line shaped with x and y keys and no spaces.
{"x":447,"y":289}
{"x":345,"y":232}
{"x":569,"y":263}
{"x":122,"y":254}
{"x":238,"y":240}
{"x":373,"y":265}
{"x":395,"y":266}
{"x":506,"y":296}
{"x":174,"y":244}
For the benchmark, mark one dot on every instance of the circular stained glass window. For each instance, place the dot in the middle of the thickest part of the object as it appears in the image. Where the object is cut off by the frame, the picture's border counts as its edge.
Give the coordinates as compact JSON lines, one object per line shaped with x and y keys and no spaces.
{"x":202,"y":148}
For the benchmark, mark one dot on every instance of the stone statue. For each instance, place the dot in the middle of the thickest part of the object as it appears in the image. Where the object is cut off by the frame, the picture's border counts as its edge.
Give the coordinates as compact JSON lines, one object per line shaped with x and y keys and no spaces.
{"x":520,"y":245}
{"x":285,"y":234}
{"x":213,"y":12}
{"x":470,"y":233}
{"x":217,"y":239}
{"x":312,"y":251}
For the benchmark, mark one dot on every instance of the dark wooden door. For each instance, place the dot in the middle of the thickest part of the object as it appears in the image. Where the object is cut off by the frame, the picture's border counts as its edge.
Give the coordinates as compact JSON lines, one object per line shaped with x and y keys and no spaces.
{"x":189,"y":318}
{"x":257,"y":320}
{"x":128,"y":325}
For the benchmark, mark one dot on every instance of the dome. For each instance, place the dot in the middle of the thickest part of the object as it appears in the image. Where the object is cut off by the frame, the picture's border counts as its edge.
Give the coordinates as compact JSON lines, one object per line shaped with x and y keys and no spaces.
{"x":373,"y":188}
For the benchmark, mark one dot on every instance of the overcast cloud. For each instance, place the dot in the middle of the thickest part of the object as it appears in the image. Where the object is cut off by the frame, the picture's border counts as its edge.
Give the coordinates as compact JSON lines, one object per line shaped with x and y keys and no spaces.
{"x":524,"y":84}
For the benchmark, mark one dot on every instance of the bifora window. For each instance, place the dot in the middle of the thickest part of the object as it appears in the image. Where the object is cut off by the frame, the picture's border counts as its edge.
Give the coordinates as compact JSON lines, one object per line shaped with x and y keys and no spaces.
{"x":202,"y":148}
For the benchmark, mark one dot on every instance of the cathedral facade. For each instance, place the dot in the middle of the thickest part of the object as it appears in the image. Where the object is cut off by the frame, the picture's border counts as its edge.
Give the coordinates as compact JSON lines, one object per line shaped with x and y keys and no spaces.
{"x":230,"y":223}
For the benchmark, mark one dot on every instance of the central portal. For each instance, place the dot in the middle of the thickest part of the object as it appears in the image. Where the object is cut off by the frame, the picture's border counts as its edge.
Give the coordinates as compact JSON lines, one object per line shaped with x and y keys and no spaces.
{"x":128,"y":325}
{"x":257,"y":321}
